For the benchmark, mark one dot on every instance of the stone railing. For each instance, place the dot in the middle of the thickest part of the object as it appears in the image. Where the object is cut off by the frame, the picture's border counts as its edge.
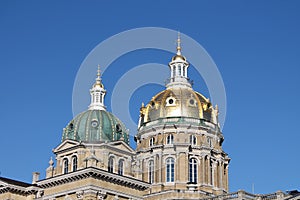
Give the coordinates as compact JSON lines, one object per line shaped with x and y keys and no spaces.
{"x":242,"y":195}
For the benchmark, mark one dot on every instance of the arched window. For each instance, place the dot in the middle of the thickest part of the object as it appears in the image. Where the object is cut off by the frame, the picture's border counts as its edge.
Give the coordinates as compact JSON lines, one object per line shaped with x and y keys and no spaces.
{"x":111,"y":164}
{"x":170,"y":170}
{"x":209,"y":141}
{"x":174,"y":71}
{"x":65,"y":165}
{"x":151,"y":142}
{"x":193,"y":170}
{"x":74,"y":163}
{"x":193,"y":140}
{"x":121,"y":167}
{"x":151,"y":171}
{"x":170,"y":139}
{"x":179,"y":70}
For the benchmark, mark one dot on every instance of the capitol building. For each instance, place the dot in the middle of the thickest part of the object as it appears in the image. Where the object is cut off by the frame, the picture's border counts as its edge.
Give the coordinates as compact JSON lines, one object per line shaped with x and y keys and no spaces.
{"x":178,"y":153}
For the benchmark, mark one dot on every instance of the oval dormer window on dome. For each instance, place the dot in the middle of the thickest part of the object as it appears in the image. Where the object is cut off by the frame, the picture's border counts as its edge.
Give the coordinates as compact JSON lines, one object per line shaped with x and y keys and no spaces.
{"x":71,"y":126}
{"x":118,"y":128}
{"x":152,"y":103}
{"x":192,"y":102}
{"x":94,"y":123}
{"x":170,"y":101}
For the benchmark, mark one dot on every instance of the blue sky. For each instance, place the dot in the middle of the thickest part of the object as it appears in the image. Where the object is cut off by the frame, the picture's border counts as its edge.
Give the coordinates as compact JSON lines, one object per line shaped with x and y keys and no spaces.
{"x":255,"y":45}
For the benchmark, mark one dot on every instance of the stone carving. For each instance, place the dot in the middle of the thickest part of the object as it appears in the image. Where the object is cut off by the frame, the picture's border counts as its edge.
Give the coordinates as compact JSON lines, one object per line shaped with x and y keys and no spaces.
{"x":40,"y":193}
{"x":79,"y":194}
{"x":101,"y":195}
{"x":67,"y":197}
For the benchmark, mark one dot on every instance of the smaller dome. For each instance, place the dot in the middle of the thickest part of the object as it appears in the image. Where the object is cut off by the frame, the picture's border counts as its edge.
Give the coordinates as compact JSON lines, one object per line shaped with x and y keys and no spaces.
{"x":98,"y":83}
{"x":95,"y":126}
{"x":178,"y":58}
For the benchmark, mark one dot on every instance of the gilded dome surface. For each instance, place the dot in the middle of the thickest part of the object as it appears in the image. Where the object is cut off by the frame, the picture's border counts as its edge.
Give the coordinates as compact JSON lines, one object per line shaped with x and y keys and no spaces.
{"x":95,"y":126}
{"x":178,"y":102}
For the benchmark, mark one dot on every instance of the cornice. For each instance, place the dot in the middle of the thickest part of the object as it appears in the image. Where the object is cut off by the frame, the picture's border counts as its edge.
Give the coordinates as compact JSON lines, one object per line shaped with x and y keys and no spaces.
{"x":95,"y":173}
{"x":19,"y":189}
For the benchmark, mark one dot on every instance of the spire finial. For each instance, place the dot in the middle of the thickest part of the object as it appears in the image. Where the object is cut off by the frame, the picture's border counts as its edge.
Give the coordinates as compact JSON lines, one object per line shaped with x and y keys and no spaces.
{"x":98,"y":79}
{"x":98,"y":73}
{"x":178,"y":44}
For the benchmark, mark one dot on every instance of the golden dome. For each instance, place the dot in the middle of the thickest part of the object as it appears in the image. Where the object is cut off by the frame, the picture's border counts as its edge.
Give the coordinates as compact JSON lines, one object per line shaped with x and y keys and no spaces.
{"x":178,"y":57}
{"x":178,"y":102}
{"x":98,"y":83}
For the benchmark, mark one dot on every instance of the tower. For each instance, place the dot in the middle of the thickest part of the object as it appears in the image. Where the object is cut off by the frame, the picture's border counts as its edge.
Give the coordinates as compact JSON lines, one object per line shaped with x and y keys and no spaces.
{"x":94,"y":159}
{"x":179,"y":141}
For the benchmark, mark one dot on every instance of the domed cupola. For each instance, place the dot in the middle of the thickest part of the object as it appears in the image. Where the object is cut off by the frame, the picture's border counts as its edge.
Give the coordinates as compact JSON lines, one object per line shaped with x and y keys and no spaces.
{"x":179,"y":102}
{"x":96,"y":124}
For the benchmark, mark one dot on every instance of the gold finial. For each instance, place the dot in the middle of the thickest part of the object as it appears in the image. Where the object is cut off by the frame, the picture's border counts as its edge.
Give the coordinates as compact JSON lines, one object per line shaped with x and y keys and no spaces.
{"x":178,"y":44}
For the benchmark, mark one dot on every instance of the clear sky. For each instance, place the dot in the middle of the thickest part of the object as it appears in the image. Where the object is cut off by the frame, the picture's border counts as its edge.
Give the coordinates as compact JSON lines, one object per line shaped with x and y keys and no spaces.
{"x":255,"y":45}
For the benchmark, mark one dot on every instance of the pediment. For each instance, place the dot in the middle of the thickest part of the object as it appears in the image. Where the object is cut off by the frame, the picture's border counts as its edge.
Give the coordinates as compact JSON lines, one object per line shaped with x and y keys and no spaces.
{"x":120,"y":145}
{"x":66,"y":145}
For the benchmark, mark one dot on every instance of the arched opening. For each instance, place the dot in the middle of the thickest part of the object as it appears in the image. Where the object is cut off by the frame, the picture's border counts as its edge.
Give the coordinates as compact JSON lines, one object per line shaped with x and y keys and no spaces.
{"x":65,"y":165}
{"x":111,"y":164}
{"x":74,"y":163}
{"x":193,"y":140}
{"x":170,"y":170}
{"x":121,"y":167}
{"x":170,"y":139}
{"x":151,"y":171}
{"x":193,"y":170}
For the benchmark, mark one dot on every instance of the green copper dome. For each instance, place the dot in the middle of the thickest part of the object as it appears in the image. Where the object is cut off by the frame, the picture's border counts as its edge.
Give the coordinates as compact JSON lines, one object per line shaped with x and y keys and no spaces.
{"x":95,"y":126}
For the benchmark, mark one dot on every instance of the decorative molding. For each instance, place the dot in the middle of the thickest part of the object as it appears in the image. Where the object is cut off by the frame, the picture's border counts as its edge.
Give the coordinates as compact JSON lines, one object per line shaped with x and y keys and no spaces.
{"x":101,"y":195}
{"x":18,"y":189}
{"x":79,"y":194}
{"x":95,"y":173}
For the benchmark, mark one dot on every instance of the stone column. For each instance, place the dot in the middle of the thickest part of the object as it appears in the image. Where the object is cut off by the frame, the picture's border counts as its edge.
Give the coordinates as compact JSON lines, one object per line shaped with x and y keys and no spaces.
{"x":177,"y":166}
{"x":200,"y":170}
{"x":209,"y":171}
{"x":35,"y":177}
{"x":226,"y":178}
{"x":206,"y":169}
{"x":158,"y":168}
{"x":221,"y":175}
{"x":214,"y":173}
